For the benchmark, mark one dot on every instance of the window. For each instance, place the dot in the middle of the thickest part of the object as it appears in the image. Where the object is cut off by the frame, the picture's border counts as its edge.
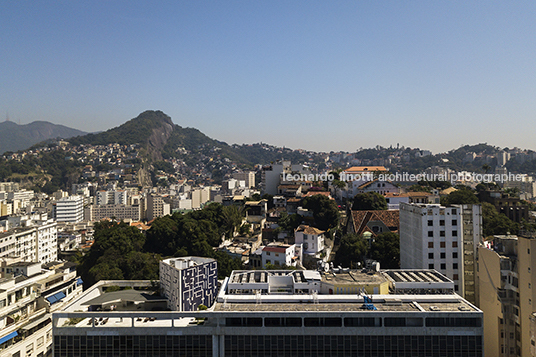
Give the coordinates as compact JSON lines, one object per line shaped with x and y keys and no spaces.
{"x":443,"y":255}
{"x":430,"y":223}
{"x":454,"y":233}
{"x":267,"y":253}
{"x":442,"y":244}
{"x":430,"y":233}
{"x":443,"y":266}
{"x":454,"y":244}
{"x":454,"y":222}
{"x":430,"y":255}
{"x":442,"y":222}
{"x":430,"y":244}
{"x":455,"y":266}
{"x":454,"y":255}
{"x":442,"y":233}
{"x":430,"y":266}
{"x":455,"y":277}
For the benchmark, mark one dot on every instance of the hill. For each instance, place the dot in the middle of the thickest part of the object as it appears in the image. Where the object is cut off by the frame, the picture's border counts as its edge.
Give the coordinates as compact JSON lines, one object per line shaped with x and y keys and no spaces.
{"x":14,"y":137}
{"x":161,"y":139}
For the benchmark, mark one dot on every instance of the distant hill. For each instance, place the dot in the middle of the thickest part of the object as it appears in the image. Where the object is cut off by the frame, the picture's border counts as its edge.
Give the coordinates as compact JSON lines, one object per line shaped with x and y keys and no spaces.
{"x":14,"y":137}
{"x":162,"y":139}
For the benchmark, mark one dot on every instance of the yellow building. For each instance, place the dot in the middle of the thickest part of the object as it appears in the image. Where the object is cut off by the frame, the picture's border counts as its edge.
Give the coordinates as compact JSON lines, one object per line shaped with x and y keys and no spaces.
{"x":505,"y":281}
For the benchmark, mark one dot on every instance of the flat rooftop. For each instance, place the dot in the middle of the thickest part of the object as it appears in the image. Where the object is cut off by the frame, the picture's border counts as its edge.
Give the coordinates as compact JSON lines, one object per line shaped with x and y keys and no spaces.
{"x":354,"y":277}
{"x":390,"y":304}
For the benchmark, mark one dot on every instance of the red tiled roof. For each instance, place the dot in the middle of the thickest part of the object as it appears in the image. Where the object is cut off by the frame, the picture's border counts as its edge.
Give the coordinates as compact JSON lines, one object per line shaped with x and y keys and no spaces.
{"x":313,"y":193}
{"x":360,"y":219}
{"x":275,"y":249}
{"x":309,"y":230}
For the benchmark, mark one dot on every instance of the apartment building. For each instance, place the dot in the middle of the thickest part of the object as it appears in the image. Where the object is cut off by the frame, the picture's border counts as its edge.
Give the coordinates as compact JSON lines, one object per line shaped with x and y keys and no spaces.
{"x":506,"y":292}
{"x":70,"y":209}
{"x":442,"y":238}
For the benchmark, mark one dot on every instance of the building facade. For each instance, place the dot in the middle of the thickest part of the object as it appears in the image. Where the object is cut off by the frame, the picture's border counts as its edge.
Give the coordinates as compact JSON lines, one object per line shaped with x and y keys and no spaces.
{"x":70,"y":209}
{"x":280,"y":313}
{"x":442,"y":238}
{"x":189,"y":282}
{"x":506,"y":292}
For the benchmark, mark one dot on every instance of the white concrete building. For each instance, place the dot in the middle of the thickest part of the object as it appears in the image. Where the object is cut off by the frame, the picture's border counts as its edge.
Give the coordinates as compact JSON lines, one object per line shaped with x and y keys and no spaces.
{"x":278,"y":313}
{"x":70,"y":209}
{"x":118,"y":197}
{"x":442,"y":238}
{"x":36,"y":243}
{"x":311,"y":239}
{"x":281,"y":254}
{"x":189,"y":282}
{"x":28,"y":295}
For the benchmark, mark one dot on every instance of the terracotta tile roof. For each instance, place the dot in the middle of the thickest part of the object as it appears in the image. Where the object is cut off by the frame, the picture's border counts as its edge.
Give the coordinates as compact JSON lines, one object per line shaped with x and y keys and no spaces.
{"x":275,"y":249}
{"x":313,"y":193}
{"x":309,"y":230}
{"x":419,"y":194}
{"x":390,"y":218}
{"x":358,"y":169}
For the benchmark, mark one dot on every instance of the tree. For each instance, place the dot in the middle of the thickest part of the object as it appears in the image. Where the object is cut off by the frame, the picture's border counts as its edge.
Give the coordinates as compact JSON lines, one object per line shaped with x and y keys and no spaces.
{"x":386,"y":250}
{"x":462,"y":196}
{"x":370,"y":201}
{"x":325,"y":211}
{"x":495,"y":223}
{"x":352,"y":250}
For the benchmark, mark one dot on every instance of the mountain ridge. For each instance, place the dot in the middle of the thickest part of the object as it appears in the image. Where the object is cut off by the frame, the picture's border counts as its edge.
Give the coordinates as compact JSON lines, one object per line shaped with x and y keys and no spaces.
{"x":15,"y":137}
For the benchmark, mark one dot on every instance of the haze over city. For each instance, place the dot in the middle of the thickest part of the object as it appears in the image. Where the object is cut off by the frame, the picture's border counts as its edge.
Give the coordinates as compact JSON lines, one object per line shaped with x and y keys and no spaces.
{"x":314,"y":75}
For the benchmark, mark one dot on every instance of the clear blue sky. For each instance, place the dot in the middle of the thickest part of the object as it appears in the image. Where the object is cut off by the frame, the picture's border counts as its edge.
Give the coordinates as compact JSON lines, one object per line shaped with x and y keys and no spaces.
{"x":318,"y":75}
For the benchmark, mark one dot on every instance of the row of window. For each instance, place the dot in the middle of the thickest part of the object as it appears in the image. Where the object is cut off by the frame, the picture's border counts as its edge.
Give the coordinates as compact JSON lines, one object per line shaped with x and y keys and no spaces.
{"x":443,"y":244}
{"x":353,"y":322}
{"x":454,"y":222}
{"x":443,"y":266}
{"x":442,"y":234}
{"x":443,"y":255}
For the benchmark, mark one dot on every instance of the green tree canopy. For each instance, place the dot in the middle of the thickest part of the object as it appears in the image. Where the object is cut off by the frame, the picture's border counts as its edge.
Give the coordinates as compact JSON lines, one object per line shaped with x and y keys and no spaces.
{"x":325,"y":211}
{"x":462,"y":196}
{"x":495,"y":223}
{"x":386,"y":250}
{"x":352,"y":250}
{"x":370,"y":201}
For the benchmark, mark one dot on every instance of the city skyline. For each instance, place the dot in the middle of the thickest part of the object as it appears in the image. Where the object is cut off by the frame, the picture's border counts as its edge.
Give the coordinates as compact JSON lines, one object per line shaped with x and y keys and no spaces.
{"x":313,"y":75}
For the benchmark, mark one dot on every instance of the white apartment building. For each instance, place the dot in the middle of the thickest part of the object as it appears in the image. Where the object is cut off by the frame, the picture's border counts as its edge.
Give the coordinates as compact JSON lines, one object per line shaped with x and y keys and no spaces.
{"x":37,"y":243}
{"x":280,"y":255}
{"x":28,"y":295}
{"x":444,"y":239}
{"x":70,"y":209}
{"x":118,"y":197}
{"x":311,"y":239}
{"x":189,"y":282}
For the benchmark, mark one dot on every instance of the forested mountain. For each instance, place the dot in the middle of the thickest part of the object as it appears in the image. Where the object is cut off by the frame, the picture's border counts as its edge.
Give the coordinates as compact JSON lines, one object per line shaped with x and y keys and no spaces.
{"x":14,"y":137}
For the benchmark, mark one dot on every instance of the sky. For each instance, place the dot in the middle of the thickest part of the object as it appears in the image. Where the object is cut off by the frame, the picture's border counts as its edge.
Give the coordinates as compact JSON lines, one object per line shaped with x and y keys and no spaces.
{"x":316,"y":75}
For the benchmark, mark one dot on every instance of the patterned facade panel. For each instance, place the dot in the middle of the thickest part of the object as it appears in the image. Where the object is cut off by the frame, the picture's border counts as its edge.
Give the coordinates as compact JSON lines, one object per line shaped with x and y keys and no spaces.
{"x":199,"y":286}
